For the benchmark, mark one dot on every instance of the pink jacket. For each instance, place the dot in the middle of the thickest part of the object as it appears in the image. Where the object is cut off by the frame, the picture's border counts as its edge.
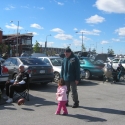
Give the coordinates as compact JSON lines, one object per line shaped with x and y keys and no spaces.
{"x":62,"y":91}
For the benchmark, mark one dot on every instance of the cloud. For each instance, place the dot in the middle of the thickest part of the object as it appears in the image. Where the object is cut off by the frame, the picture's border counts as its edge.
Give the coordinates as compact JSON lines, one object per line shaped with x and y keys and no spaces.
{"x":75,"y":29}
{"x":116,"y":40}
{"x":37,"y":26}
{"x":92,"y":32}
{"x":120,"y":31}
{"x":10,"y":7}
{"x":95,"y":19}
{"x":41,"y":8}
{"x":111,"y":6}
{"x":58,"y":30}
{"x":104,"y":42}
{"x":13,"y":26}
{"x":34,"y":33}
{"x":77,"y":42}
{"x":27,"y":7}
{"x":63,"y":37}
{"x":59,"y":3}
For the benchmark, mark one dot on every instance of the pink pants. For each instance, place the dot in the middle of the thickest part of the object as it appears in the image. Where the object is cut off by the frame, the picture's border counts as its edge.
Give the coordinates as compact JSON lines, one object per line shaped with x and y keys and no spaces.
{"x":62,"y":105}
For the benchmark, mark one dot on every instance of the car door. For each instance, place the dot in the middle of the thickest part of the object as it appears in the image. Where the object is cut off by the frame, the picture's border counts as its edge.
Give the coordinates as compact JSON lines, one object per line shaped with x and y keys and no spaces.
{"x":123,"y":62}
{"x":115,"y":63}
{"x":14,"y":66}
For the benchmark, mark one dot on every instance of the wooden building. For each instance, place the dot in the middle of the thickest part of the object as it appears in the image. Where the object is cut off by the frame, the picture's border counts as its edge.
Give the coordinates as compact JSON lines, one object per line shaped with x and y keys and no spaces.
{"x":24,"y":43}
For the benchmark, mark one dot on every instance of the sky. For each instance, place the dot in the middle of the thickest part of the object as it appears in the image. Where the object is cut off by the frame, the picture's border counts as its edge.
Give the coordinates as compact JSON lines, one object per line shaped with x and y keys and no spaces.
{"x":99,"y":24}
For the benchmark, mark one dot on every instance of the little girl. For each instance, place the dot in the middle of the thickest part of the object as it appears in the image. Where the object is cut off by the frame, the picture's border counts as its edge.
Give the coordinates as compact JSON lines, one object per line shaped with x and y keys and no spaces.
{"x":61,"y":97}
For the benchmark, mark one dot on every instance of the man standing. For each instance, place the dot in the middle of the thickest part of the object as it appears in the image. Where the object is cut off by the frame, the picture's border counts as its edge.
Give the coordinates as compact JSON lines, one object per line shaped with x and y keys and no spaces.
{"x":20,"y":83}
{"x":70,"y":72}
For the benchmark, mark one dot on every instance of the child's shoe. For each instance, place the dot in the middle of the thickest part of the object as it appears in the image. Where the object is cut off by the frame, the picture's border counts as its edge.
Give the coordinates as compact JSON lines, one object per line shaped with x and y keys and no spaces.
{"x":65,"y":113}
{"x":57,"y":113}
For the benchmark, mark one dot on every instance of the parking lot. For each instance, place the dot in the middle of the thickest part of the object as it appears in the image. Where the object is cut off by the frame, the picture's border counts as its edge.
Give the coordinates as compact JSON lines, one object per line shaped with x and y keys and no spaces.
{"x":99,"y":104}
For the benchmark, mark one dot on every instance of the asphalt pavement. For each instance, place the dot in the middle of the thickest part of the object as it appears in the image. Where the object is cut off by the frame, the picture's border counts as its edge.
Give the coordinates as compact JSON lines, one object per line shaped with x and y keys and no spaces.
{"x":100,"y":104}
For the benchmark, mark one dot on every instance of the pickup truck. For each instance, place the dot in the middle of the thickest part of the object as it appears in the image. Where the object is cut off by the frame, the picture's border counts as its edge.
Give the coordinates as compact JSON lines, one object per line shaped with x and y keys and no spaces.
{"x":3,"y":76}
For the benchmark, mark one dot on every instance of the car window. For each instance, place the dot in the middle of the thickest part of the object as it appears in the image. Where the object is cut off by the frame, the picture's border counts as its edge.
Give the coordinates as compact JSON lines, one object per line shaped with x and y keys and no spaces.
{"x":32,"y":61}
{"x":46,"y":60}
{"x":13,"y":62}
{"x":82,"y":61}
{"x":56,"y":61}
{"x":7,"y":62}
{"x":115,"y":61}
{"x":122,"y":61}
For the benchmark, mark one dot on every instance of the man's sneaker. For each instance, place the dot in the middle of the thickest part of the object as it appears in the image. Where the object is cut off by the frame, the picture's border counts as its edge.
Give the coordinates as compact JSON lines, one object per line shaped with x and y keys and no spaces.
{"x":75,"y":105}
{"x":10,"y":100}
{"x":5,"y":97}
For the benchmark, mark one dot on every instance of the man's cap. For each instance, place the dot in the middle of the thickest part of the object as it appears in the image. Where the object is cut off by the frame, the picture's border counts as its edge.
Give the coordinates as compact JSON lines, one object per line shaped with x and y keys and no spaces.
{"x":21,"y":65}
{"x":68,"y":50}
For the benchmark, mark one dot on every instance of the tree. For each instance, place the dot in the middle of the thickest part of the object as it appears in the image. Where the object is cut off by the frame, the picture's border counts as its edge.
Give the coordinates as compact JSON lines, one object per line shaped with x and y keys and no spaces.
{"x":110,"y":51}
{"x":36,"y":47}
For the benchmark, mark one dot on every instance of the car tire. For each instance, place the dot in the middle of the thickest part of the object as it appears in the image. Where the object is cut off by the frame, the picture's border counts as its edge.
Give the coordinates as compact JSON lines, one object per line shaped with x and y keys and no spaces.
{"x":44,"y":83}
{"x":87,"y":74}
{"x":122,"y":78}
{"x":56,"y":77}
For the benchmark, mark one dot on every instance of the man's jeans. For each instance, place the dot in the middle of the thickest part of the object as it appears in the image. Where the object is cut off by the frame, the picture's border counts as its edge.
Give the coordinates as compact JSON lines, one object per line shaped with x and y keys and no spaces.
{"x":72,"y":85}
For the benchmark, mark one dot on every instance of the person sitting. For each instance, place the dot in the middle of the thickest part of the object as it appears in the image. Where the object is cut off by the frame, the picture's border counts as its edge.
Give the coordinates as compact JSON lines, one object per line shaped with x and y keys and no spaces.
{"x":17,"y":84}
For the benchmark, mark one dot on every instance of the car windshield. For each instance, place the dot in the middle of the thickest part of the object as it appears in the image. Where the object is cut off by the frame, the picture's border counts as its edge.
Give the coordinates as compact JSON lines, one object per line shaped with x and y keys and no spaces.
{"x":89,"y":61}
{"x":56,"y":61}
{"x":32,"y":61}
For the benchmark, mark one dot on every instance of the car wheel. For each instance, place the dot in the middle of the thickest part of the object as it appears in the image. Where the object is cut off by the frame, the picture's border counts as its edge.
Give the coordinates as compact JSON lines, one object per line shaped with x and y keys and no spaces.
{"x":56,"y":77}
{"x":122,"y":78}
{"x":87,"y":74}
{"x":44,"y":83}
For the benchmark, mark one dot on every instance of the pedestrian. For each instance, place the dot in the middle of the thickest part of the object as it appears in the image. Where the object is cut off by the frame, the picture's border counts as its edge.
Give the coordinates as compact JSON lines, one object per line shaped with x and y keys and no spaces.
{"x":61,"y":97}
{"x":19,"y":83}
{"x":70,"y":72}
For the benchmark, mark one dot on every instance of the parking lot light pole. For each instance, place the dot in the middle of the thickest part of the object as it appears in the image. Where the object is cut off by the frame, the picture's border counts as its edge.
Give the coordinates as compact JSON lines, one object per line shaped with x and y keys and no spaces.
{"x":82,"y":40}
{"x":17,"y":38}
{"x":46,"y":44}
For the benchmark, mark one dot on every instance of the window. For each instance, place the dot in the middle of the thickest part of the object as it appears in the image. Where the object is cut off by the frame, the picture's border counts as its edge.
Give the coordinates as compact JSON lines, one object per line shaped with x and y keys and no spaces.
{"x":56,"y":61}
{"x":7,"y":62}
{"x":13,"y":62}
{"x":32,"y":61}
{"x":115,"y":60}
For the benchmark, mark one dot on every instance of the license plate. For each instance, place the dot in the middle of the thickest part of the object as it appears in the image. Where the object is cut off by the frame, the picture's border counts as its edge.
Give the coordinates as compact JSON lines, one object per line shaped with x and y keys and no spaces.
{"x":42,"y":71}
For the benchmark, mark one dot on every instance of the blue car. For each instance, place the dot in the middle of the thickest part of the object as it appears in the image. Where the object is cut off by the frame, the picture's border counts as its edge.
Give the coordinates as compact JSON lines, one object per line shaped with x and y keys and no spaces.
{"x":92,"y":68}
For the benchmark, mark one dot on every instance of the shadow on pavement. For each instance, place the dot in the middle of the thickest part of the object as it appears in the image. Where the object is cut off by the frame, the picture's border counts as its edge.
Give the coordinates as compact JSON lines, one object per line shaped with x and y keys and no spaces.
{"x":44,"y":88}
{"x":37,"y":102}
{"x":105,"y":110}
{"x":87,"y":118}
{"x":87,"y":83}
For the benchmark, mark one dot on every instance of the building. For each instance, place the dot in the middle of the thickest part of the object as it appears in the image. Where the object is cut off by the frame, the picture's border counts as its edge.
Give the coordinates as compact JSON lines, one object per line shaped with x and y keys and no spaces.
{"x":16,"y":44}
{"x":53,"y":50}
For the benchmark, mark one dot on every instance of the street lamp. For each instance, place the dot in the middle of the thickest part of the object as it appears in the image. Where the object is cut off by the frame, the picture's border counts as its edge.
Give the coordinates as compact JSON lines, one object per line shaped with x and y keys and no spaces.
{"x":17,"y":37}
{"x":82,"y":40}
{"x":46,"y":44}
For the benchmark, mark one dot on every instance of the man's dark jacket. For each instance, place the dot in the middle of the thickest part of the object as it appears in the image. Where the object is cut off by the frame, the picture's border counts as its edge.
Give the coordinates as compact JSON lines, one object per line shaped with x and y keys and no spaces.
{"x":70,"y":70}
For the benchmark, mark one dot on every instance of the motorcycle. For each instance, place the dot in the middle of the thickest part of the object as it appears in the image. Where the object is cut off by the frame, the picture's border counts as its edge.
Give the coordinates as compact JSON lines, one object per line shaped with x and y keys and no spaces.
{"x":110,"y":73}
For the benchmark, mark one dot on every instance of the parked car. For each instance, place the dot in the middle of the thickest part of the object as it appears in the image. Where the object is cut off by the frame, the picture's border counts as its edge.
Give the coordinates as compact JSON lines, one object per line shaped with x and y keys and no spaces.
{"x":39,"y":70}
{"x":3,"y":76}
{"x":56,"y":63}
{"x":92,"y":68}
{"x":116,"y":61}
